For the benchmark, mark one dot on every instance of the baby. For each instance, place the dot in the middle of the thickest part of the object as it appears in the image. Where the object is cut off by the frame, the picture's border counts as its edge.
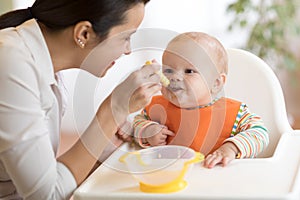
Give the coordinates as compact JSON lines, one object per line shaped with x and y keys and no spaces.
{"x":193,"y":110}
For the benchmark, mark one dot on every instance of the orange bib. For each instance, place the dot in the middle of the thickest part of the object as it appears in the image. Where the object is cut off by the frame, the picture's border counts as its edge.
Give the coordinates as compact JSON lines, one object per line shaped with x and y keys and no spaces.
{"x":202,"y":129}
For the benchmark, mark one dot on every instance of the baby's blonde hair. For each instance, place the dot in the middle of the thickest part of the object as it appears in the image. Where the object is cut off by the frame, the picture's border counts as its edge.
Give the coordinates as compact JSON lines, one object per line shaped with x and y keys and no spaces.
{"x":211,"y":46}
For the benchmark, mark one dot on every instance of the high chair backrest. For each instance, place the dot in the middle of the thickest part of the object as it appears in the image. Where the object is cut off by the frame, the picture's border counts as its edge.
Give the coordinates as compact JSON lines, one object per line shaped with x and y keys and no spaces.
{"x":253,"y":82}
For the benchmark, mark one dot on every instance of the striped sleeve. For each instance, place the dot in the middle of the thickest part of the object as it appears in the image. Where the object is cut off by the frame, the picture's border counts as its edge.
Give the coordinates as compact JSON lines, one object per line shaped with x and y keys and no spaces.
{"x":249,"y":133}
{"x":141,"y":121}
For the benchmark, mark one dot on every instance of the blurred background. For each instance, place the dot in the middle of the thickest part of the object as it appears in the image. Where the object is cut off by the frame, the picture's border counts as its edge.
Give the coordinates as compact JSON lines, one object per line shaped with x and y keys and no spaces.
{"x":268,"y":28}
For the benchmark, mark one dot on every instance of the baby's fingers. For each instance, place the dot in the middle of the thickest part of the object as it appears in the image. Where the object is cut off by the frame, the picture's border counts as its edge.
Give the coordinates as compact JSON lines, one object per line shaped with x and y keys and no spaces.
{"x":212,"y":160}
{"x":167,"y":132}
{"x":162,"y":143}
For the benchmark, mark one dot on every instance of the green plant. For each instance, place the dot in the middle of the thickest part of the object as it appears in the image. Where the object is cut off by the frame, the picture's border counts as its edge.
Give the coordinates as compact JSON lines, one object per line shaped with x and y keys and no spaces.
{"x":273,"y":24}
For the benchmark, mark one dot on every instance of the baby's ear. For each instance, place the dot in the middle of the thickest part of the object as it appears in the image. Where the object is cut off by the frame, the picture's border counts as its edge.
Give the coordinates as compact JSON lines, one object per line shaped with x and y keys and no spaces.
{"x":219,"y":83}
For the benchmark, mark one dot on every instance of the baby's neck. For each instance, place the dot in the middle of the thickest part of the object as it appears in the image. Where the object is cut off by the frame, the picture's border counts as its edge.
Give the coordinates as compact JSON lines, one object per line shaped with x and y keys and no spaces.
{"x":205,"y":105}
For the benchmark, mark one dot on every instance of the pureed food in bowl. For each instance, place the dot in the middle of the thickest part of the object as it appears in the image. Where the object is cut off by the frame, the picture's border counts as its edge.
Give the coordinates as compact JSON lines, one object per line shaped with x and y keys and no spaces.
{"x":161,"y":168}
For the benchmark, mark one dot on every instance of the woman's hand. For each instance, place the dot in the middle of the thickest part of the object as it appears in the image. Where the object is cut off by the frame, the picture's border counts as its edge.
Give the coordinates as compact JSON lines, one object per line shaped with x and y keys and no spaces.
{"x":136,"y":91}
{"x":156,"y":134}
{"x":226,"y":153}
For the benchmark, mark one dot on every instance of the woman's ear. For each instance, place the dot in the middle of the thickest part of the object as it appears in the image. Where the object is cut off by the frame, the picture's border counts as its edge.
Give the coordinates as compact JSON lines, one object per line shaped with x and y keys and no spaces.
{"x":83,"y":33}
{"x":219,"y":84}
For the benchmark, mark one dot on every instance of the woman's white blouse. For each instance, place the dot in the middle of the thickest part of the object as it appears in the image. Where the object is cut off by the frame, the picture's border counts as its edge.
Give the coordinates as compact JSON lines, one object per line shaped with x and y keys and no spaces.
{"x":30,"y":114}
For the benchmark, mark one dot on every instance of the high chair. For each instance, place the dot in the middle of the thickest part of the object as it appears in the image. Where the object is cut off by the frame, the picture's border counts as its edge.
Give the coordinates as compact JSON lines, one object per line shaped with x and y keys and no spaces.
{"x":252,"y":81}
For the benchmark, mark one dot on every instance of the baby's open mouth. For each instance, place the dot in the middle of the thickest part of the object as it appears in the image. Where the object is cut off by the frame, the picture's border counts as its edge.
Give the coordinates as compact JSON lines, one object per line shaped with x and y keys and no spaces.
{"x":175,"y":89}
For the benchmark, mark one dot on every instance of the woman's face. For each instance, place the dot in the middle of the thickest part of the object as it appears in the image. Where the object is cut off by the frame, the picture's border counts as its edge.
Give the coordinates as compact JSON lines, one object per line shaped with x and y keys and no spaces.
{"x":187,"y":86}
{"x":103,"y":56}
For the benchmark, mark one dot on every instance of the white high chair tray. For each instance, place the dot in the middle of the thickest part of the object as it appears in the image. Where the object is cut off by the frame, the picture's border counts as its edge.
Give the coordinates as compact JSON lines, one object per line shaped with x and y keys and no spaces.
{"x":273,"y":178}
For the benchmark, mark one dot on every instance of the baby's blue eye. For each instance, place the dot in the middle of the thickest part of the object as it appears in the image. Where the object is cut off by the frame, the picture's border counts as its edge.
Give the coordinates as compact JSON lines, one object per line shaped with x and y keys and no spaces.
{"x":168,"y":71}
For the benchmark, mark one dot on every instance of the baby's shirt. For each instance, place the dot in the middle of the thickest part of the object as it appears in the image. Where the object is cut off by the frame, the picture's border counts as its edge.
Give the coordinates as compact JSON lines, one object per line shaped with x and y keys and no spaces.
{"x":206,"y":128}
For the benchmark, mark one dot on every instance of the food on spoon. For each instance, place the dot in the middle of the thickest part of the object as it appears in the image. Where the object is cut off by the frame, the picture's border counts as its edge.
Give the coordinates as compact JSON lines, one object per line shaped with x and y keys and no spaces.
{"x":163,"y":79}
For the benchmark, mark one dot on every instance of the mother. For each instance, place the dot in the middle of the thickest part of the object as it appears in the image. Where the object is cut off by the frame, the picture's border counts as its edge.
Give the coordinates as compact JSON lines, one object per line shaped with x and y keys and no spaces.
{"x":37,"y":42}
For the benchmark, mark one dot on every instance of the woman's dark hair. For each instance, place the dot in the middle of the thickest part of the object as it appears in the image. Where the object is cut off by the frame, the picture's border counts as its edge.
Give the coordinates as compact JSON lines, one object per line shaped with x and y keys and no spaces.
{"x":59,"y":14}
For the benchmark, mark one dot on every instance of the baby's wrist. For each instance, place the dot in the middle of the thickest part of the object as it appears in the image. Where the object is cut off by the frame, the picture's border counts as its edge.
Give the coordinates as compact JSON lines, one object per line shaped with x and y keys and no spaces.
{"x":145,"y":141}
{"x":234,"y":149}
{"x":141,"y":137}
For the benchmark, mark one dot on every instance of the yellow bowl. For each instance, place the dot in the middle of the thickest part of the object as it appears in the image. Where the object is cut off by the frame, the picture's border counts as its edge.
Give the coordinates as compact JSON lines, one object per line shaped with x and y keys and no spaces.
{"x":161,"y":169}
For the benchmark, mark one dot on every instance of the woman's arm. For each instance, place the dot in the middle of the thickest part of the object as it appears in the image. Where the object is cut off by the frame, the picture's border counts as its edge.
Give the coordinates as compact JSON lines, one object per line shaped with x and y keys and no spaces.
{"x":83,"y":155}
{"x":130,"y":96}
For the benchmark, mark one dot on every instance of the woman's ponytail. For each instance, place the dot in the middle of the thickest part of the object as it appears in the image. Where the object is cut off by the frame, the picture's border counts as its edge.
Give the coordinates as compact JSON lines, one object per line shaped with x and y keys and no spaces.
{"x":15,"y":18}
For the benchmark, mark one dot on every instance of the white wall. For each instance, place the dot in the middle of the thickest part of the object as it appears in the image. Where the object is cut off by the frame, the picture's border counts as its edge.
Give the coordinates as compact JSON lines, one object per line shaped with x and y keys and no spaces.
{"x":193,"y":15}
{"x":18,"y":4}
{"x":172,"y":17}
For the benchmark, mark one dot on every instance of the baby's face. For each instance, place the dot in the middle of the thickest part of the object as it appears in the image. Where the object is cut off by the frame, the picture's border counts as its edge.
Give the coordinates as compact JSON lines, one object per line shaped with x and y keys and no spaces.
{"x":187,"y":86}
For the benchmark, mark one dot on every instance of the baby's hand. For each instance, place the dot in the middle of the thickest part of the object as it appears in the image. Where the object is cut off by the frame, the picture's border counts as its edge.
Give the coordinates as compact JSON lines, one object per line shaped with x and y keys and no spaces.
{"x":226,"y":153}
{"x":156,"y":134}
{"x":125,"y":132}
